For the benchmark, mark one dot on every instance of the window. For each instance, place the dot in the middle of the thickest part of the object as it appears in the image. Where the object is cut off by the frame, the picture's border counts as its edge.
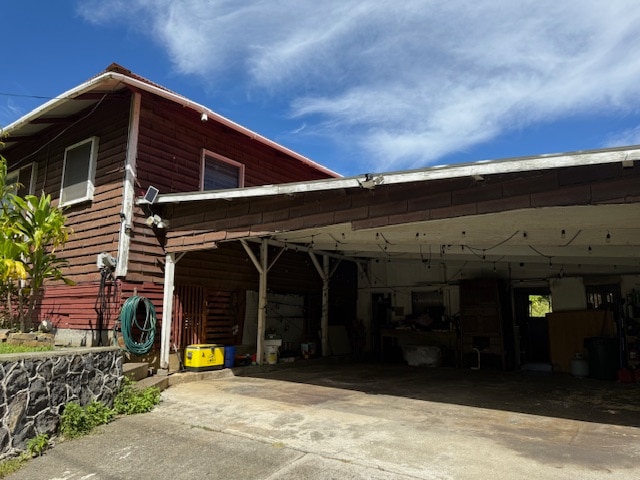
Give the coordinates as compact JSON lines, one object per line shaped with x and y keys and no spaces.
{"x":539,"y":305}
{"x":78,"y":173}
{"x":24,"y":178}
{"x":219,"y":173}
{"x":603,"y":297}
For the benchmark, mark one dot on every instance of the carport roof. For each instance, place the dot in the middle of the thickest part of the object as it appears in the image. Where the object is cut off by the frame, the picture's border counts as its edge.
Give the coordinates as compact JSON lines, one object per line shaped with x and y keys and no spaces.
{"x":477,"y":170}
{"x":579,"y":209}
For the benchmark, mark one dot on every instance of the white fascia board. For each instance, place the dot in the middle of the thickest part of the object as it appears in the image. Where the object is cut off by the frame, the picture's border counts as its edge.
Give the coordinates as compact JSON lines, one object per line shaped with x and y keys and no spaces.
{"x":369,"y":181}
{"x":53,"y":103}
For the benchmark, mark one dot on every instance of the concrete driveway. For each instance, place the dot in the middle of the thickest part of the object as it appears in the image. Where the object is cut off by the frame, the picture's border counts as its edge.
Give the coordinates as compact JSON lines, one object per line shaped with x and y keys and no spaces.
{"x":364,"y":422}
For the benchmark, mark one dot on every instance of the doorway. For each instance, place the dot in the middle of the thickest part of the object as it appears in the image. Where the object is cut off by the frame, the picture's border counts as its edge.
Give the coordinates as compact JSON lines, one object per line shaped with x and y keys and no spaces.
{"x":531,"y":306}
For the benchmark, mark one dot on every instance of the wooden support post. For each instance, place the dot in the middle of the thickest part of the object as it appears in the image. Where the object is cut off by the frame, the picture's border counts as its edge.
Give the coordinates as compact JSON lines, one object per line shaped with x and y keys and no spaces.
{"x":167,"y":310}
{"x":262,"y":266}
{"x":262,"y":300}
{"x":325,"y":306}
{"x":323,"y":271}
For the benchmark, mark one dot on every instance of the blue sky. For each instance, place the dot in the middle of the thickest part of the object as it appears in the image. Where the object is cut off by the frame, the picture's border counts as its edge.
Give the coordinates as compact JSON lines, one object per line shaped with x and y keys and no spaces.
{"x":361,"y":85}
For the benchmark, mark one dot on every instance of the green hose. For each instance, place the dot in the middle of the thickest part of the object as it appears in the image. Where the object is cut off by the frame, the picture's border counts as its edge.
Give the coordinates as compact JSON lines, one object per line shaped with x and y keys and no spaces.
{"x":131,"y":327}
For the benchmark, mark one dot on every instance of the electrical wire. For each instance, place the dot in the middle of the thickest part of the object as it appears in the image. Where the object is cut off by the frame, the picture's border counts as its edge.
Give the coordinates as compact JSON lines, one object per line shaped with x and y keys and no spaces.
{"x":130,"y":325}
{"x":49,"y":141}
{"x":39,"y":97}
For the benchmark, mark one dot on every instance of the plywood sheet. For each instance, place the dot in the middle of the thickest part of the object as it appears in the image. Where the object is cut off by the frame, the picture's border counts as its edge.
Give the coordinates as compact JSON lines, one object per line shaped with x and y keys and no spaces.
{"x":567,"y":331}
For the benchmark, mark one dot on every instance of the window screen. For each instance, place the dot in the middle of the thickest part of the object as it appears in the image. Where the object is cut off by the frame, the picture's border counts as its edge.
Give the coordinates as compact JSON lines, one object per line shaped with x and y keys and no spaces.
{"x":79,"y":171}
{"x":24,"y":179}
{"x":220,"y":173}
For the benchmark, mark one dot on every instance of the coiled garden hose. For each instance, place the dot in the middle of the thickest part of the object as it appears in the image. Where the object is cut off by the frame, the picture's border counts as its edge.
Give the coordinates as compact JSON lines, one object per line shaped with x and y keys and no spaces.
{"x":138,"y":339}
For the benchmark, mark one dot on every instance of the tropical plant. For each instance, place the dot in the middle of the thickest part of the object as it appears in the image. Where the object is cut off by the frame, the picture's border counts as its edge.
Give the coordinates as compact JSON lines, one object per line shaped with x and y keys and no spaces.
{"x":12,"y":270}
{"x":31,"y":232}
{"x":41,"y":229}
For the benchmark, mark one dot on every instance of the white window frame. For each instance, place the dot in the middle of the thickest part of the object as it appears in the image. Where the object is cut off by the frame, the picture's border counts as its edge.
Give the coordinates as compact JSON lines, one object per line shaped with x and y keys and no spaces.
{"x":91,"y":177}
{"x":14,"y":177}
{"x":220,"y":158}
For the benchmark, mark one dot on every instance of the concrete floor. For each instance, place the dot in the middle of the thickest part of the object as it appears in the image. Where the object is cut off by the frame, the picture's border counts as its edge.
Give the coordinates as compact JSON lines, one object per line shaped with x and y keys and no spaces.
{"x":353,"y":421}
{"x":535,"y":393}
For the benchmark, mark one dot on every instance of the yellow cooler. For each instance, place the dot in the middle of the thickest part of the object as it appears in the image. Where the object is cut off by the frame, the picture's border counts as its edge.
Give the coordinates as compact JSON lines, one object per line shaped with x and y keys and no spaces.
{"x":201,"y":357}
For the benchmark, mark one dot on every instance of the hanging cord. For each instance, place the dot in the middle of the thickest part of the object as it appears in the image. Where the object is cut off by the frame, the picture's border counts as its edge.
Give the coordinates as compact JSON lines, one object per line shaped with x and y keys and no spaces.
{"x":101,"y":305}
{"x":130,"y":326}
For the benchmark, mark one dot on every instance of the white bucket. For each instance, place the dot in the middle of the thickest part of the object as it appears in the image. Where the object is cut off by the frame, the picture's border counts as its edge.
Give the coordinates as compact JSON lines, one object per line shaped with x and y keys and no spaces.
{"x":271,"y":354}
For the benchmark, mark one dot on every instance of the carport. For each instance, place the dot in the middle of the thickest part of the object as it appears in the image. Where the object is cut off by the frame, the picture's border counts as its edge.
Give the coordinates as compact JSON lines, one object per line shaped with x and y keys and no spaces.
{"x":567,"y":223}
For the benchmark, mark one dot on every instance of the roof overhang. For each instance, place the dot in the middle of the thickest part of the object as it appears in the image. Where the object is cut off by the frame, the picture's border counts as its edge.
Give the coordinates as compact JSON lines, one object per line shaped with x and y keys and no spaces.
{"x":626,"y":156}
{"x":89,"y":93}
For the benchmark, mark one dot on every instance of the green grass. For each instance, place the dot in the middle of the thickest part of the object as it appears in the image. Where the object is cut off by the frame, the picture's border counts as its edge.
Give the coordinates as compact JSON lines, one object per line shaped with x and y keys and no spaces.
{"x":12,"y":465}
{"x":8,"y":348}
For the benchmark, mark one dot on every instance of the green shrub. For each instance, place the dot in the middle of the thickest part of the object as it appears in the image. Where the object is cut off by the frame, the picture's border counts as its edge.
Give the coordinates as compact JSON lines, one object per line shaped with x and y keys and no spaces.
{"x":99,"y":413}
{"x":77,"y":420}
{"x":131,"y":400}
{"x":36,"y":446}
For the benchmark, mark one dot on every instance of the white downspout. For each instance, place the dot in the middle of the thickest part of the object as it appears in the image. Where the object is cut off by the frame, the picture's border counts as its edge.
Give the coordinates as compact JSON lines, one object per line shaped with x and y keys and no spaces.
{"x":128,"y":192}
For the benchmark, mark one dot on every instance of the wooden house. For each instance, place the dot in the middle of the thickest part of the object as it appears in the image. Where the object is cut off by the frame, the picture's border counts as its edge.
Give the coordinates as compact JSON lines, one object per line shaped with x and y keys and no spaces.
{"x":232,"y":236}
{"x":96,"y":149}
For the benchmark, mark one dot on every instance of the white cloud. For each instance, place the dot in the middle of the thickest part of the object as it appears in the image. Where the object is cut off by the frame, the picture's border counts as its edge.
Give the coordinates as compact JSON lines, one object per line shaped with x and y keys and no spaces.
{"x":630,"y":136}
{"x":410,"y":81}
{"x":9,"y":111}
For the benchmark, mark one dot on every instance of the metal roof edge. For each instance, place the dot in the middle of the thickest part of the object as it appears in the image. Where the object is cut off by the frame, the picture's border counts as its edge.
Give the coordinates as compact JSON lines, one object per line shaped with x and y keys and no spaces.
{"x":169,"y":95}
{"x":441,"y":172}
{"x":47,"y":106}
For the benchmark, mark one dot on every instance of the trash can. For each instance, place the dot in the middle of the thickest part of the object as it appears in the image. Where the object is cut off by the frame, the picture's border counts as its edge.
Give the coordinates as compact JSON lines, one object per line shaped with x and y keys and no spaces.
{"x":604,"y":359}
{"x":229,"y":356}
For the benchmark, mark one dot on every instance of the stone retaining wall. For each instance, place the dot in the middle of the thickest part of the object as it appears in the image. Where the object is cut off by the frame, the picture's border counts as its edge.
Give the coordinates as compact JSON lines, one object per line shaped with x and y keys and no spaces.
{"x":35,"y":387}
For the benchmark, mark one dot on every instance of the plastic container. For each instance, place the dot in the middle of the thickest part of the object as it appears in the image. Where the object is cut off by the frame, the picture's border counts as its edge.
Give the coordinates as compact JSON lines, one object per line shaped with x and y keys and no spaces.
{"x":603,"y":357}
{"x":579,"y":366}
{"x":422,"y":355}
{"x":271,"y":354}
{"x":201,"y":357}
{"x":308,"y":350}
{"x":229,"y":356}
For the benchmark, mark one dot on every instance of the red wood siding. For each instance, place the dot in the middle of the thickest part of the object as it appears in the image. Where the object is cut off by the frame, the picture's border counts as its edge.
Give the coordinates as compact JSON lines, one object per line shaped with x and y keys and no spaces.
{"x":75,"y":306}
{"x":171,"y":140}
{"x":221,"y":317}
{"x":95,"y":224}
{"x":170,"y":143}
{"x":189,"y":318}
{"x":229,"y":268}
